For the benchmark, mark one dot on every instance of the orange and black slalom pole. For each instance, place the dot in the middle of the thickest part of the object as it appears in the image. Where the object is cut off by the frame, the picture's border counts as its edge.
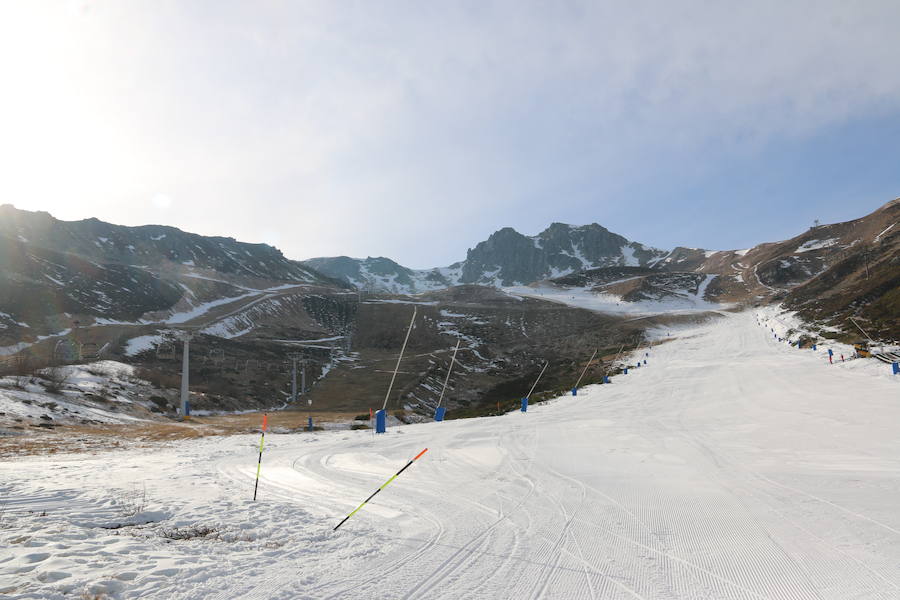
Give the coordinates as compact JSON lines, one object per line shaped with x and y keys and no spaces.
{"x":384,"y":485}
{"x":259,"y":462}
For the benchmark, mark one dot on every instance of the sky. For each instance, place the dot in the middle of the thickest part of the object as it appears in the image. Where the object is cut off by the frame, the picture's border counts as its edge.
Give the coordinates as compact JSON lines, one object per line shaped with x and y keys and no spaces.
{"x":413,"y":130}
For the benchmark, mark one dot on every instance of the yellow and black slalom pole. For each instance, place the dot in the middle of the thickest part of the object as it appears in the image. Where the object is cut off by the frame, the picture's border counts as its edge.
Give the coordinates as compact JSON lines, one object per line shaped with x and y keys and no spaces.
{"x":384,"y":485}
{"x":259,"y":463}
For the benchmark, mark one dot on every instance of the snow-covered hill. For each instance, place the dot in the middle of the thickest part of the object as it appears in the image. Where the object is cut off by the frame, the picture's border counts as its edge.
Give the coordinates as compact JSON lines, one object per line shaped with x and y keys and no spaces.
{"x":95,"y":393}
{"x":730,"y":467}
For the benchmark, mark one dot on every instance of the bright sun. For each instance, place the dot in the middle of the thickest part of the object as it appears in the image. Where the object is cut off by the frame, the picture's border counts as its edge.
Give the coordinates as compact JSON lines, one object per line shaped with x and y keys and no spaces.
{"x":63,"y":142}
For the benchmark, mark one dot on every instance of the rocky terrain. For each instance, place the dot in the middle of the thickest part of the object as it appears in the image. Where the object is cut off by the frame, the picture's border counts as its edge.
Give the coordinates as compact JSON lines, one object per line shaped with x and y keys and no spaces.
{"x":79,"y":292}
{"x":506,"y":258}
{"x":246,"y":330}
{"x":828,"y":273}
{"x":53,"y":273}
{"x":860,"y":275}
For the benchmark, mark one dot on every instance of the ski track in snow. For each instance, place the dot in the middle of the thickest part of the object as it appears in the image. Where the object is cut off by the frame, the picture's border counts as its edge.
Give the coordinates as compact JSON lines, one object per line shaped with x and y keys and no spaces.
{"x":730,"y":467}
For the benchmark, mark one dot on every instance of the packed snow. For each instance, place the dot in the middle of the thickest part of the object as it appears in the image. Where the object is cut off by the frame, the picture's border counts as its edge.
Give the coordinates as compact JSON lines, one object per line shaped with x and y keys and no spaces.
{"x":230,"y":327}
{"x":332,"y":338}
{"x":879,"y":236}
{"x":585,"y":297}
{"x":100,"y":392}
{"x":731,"y":466}
{"x":817,"y":244}
{"x":142,"y":343}
{"x":202,"y":309}
{"x":397,"y":301}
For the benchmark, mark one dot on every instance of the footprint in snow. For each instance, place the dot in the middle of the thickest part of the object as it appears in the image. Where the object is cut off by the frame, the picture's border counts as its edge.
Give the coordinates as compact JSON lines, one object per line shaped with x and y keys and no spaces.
{"x":36,"y":557}
{"x":51,"y":576}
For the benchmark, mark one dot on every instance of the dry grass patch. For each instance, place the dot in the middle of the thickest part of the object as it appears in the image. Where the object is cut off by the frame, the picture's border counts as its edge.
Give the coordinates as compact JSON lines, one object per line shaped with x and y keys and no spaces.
{"x":94,"y":438}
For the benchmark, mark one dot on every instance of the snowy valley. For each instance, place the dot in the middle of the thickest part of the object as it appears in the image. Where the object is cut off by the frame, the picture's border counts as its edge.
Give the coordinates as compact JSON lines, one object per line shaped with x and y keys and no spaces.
{"x":694,"y":476}
{"x":729,"y":435}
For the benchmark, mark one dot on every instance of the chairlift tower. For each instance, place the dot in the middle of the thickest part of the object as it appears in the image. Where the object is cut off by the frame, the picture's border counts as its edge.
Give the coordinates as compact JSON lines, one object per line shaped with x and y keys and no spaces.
{"x":185,"y":336}
{"x":298,"y":357}
{"x":303,"y":392}
{"x":295,"y":357}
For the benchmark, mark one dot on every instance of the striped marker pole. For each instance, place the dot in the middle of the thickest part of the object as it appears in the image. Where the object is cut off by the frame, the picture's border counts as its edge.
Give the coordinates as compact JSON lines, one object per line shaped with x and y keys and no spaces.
{"x":259,"y":462}
{"x":384,"y":485}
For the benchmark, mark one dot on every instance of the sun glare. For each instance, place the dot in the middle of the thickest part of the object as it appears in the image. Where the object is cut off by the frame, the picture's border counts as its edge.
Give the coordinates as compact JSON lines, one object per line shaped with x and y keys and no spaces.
{"x":62,"y":142}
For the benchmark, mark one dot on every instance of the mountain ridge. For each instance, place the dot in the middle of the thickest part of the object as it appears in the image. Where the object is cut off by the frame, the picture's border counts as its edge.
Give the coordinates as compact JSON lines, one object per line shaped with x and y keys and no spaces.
{"x":149,"y":245}
{"x":250,"y":307}
{"x":54,"y":273}
{"x":91,"y":268}
{"x":505,"y":258}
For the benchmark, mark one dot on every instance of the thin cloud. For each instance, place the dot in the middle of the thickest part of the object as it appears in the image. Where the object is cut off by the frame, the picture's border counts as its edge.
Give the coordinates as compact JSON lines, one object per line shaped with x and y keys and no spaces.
{"x":415,"y":129}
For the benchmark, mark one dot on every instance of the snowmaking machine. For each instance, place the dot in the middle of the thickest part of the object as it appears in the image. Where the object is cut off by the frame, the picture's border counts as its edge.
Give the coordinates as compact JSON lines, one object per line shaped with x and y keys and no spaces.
{"x":862,"y":349}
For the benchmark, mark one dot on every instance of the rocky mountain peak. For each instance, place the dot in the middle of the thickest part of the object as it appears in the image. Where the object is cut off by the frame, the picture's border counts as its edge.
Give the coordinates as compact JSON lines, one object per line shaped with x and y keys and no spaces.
{"x":505,"y":258}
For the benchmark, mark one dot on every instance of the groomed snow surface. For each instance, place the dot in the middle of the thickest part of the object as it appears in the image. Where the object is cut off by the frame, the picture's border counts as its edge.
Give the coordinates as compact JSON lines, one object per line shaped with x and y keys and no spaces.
{"x":730,"y":467}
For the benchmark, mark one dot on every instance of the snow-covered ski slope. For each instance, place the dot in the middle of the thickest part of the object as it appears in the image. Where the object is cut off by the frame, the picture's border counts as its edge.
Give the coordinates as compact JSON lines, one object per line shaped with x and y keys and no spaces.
{"x":730,"y":467}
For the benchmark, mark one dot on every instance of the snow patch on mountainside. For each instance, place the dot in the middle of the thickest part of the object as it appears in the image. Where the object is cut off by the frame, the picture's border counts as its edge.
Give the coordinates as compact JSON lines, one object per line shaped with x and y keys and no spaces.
{"x":878,"y":237}
{"x":587,"y":298}
{"x":817,"y":244}
{"x":202,"y":309}
{"x":142,"y":343}
{"x":628,"y":257}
